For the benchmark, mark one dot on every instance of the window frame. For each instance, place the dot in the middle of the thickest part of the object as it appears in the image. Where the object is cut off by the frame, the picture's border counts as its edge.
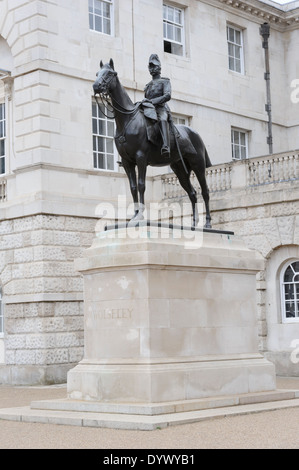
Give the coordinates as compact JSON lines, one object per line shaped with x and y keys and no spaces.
{"x":235,"y":44}
{"x":240,"y":146}
{"x":282,"y":284}
{"x":108,"y":123}
{"x":92,"y":16}
{"x":3,"y":138}
{"x":180,"y":26}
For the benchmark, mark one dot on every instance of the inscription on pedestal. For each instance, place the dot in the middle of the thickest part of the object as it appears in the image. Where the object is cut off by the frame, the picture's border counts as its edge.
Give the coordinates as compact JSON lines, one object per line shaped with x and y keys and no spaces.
{"x":98,"y":315}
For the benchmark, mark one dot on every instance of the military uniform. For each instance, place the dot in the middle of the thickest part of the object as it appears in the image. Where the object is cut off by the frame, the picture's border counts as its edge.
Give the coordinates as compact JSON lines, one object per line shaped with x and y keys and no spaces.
{"x":158,"y":91}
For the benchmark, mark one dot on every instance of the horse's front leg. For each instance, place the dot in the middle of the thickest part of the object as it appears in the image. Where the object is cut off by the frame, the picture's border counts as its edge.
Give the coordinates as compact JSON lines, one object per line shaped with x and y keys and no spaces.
{"x":141,"y":166}
{"x":131,"y":174}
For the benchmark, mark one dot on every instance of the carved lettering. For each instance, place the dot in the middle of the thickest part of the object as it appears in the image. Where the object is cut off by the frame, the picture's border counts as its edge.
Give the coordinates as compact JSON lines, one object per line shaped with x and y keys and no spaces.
{"x":95,"y":316}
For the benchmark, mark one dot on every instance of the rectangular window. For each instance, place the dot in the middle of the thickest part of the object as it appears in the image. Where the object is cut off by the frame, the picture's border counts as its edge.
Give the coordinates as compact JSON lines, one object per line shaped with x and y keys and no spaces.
{"x":104,"y":155}
{"x":239,"y":142}
{"x":179,"y":119}
{"x":173,"y":30}
{"x":235,"y":49}
{"x":2,"y":138}
{"x":101,"y":16}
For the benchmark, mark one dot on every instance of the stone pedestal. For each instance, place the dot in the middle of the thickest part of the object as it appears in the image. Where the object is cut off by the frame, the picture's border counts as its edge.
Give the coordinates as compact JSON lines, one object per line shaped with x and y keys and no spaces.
{"x":170,"y":315}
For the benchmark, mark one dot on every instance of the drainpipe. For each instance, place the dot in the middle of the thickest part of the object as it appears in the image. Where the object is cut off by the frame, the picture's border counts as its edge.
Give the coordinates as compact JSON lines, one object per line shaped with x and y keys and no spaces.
{"x":265,"y":33}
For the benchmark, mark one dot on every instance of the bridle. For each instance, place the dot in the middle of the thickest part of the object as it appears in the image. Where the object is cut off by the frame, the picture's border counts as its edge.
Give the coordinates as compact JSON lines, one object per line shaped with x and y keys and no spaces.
{"x":104,"y":96}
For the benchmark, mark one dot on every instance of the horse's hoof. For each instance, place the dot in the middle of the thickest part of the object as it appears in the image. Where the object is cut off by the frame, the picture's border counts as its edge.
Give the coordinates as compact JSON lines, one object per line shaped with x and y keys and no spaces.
{"x":136,"y":218}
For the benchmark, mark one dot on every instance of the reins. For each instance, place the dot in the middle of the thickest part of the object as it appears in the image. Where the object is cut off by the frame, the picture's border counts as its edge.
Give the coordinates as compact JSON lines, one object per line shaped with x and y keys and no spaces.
{"x":106,"y":103}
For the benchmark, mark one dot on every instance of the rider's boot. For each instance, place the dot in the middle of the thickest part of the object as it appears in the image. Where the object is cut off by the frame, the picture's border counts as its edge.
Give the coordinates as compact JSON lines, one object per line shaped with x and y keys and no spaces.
{"x":164,"y":128}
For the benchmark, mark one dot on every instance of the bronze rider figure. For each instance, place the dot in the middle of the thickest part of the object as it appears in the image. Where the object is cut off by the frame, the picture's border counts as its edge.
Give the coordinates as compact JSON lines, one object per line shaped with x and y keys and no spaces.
{"x":158,"y":92}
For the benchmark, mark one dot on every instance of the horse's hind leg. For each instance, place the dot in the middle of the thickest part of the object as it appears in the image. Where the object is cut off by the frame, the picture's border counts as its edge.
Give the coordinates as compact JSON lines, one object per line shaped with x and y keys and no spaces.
{"x":184,"y":180}
{"x":201,"y":176}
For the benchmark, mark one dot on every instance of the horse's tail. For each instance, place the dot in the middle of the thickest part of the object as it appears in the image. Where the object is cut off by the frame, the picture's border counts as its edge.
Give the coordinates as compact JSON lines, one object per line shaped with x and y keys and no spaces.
{"x":207,"y":159}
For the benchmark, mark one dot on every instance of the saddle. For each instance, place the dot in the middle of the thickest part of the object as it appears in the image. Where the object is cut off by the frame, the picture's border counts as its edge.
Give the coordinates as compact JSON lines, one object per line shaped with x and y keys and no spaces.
{"x":178,"y":136}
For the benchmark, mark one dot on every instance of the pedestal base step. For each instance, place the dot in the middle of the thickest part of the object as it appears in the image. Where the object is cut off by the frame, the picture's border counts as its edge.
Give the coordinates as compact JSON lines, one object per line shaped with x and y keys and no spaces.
{"x":148,"y":417}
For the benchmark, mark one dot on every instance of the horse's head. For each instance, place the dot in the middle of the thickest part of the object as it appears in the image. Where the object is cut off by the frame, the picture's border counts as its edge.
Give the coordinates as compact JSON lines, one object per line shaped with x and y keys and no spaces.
{"x":105,"y":78}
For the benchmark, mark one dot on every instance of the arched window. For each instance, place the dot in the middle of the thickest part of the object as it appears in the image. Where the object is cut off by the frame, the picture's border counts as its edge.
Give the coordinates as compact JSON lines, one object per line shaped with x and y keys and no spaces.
{"x":290,"y":292}
{"x":1,"y":313}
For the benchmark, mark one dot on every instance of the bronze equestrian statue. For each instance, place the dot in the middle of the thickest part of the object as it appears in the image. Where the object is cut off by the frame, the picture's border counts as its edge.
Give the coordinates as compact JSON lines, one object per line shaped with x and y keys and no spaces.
{"x":141,"y":137}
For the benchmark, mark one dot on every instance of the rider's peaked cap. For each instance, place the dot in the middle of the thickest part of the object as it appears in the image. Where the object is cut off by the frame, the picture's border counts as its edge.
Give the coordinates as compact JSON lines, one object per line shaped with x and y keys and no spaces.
{"x":154,"y":59}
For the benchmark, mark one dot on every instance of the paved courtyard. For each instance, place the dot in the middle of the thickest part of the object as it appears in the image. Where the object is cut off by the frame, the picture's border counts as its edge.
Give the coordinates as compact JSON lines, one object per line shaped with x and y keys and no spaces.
{"x":277,"y":429}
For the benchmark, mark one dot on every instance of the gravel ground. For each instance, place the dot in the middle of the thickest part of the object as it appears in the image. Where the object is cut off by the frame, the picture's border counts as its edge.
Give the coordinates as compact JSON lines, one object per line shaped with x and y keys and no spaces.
{"x":266,"y":430}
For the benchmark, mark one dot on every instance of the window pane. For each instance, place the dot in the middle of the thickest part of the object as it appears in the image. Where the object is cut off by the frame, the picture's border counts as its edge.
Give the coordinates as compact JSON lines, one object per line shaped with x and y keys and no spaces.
{"x":243,"y":152}
{"x":101,"y":127}
{"x":106,"y":10}
{"x":101,"y":161}
{"x":164,"y":12}
{"x":94,"y":126}
{"x":178,"y":16}
{"x":237,"y":152}
{"x":237,"y":37}
{"x":110,"y":128}
{"x":110,"y":162}
{"x":170,"y":15}
{"x":178,"y":36}
{"x":109,"y":145}
{"x":290,"y":309}
{"x":288,"y":275}
{"x":237,"y":52}
{"x":2,"y":148}
{"x":98,"y":7}
{"x":106,"y":26}
{"x":100,"y":144}
{"x":94,"y":143}
{"x":98,"y":23}
{"x":295,"y":266}
{"x":2,"y":166}
{"x":231,"y":35}
{"x":170,"y":32}
{"x":289,"y":292}
{"x":177,"y":49}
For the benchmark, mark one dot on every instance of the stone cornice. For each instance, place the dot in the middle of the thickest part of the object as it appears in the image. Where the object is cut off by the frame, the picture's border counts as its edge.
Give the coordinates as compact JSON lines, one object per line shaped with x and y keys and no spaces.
{"x":279,"y":17}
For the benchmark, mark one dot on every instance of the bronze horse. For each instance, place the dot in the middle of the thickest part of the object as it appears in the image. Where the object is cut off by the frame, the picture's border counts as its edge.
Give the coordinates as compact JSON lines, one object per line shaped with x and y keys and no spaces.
{"x":187,"y":151}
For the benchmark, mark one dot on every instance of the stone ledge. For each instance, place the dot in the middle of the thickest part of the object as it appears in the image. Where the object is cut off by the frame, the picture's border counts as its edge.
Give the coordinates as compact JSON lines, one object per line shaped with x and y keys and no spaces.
{"x":153,"y":409}
{"x":135,"y":422}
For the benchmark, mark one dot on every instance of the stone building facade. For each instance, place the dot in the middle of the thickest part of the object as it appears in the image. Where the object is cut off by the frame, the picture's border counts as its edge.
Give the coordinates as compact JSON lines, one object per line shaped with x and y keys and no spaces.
{"x":57,"y":163}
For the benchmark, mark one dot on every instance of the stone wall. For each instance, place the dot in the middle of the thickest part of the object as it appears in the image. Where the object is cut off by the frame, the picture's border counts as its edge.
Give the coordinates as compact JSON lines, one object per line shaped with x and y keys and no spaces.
{"x":42,"y":295}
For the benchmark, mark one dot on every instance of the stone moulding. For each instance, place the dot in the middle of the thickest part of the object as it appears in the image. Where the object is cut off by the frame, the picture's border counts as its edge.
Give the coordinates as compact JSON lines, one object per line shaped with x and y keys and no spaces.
{"x":279,"y":16}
